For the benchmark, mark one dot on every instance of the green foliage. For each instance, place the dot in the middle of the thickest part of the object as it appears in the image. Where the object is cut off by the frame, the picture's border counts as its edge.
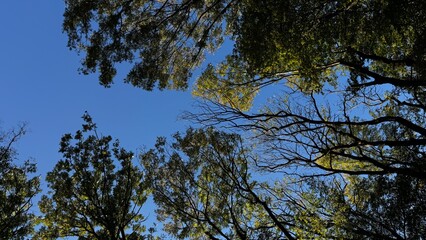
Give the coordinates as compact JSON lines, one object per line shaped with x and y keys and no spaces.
{"x":351,"y":120}
{"x":164,"y":39}
{"x":375,"y":207}
{"x":227,"y":84}
{"x":305,"y":42}
{"x":17,"y":190}
{"x":202,"y":185}
{"x":96,"y":191}
{"x":308,"y":36}
{"x":203,"y":189}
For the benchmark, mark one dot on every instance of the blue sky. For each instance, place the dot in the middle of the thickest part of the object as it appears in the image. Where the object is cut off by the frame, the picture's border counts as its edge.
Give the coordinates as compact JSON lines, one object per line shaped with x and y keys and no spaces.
{"x":40,"y":85}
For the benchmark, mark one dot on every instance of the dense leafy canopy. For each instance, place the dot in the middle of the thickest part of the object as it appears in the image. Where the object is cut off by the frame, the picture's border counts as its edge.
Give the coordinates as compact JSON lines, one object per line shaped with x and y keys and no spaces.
{"x":96,"y":191}
{"x":203,"y":186}
{"x":203,"y":189}
{"x":17,"y":189}
{"x":377,"y":207}
{"x":164,"y":39}
{"x":274,"y":39}
{"x":353,"y":104}
{"x":344,"y":141}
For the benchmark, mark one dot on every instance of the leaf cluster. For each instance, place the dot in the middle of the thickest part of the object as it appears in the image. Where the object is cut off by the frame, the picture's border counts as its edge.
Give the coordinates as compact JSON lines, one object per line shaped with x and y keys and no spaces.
{"x":165,"y":40}
{"x":17,"y":189}
{"x":96,"y":190}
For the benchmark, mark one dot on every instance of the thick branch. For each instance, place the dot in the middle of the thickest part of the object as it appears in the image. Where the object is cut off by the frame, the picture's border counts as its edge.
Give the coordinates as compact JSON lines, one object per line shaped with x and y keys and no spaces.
{"x":380,"y":79}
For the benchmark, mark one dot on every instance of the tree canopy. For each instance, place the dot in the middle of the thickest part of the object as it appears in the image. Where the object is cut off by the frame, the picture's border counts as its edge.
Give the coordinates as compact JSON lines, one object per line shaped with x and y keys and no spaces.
{"x":203,"y":185}
{"x":96,"y":191}
{"x":203,"y":188}
{"x":17,"y":189}
{"x":273,"y":39}
{"x":346,"y":135}
{"x":164,"y":39}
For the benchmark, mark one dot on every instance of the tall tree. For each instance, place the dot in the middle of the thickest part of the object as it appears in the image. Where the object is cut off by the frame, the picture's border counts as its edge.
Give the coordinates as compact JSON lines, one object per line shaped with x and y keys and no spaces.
{"x":203,"y":189}
{"x":96,"y":191}
{"x":17,"y":189}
